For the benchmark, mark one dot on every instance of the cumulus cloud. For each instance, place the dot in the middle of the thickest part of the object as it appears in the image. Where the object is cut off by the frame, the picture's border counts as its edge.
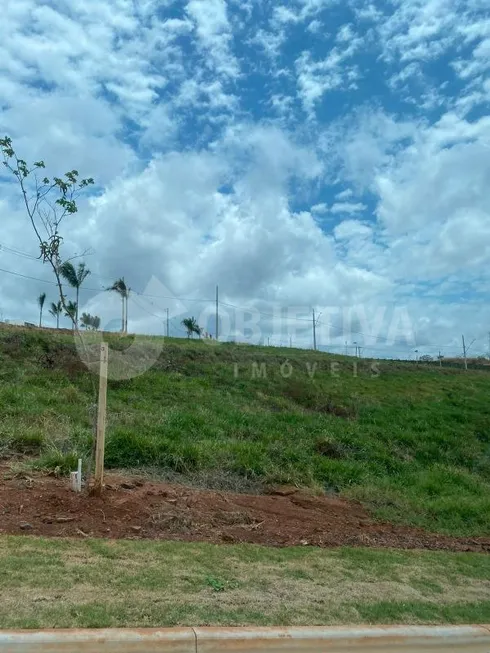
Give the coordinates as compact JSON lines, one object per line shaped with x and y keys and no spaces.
{"x":191,"y":117}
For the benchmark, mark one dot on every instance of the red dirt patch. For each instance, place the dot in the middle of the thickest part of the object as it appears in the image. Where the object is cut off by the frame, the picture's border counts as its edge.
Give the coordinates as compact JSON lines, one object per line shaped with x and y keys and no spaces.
{"x":45,"y":506}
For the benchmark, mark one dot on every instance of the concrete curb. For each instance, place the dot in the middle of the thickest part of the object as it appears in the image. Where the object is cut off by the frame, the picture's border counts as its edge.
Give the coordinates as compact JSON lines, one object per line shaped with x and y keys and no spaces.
{"x":376,"y":639}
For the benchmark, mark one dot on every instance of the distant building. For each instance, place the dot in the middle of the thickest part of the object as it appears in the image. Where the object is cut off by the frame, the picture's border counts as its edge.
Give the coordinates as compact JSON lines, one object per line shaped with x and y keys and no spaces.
{"x":20,"y":323}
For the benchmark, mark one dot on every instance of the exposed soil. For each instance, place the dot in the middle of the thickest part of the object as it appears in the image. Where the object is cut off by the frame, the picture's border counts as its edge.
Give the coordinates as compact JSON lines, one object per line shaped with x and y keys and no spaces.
{"x":132,"y":508}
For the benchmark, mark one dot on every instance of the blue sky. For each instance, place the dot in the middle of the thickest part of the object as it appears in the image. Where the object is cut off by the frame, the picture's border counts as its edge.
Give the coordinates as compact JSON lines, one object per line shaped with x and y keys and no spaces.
{"x":310,"y":153}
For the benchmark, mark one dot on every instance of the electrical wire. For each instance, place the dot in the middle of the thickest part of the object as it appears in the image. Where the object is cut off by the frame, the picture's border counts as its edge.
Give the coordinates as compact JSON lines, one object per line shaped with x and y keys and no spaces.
{"x":17,"y":252}
{"x":377,"y":338}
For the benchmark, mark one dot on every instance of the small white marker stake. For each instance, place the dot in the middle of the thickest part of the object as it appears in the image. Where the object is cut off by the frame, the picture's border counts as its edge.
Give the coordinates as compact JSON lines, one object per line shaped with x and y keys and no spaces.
{"x":79,"y":475}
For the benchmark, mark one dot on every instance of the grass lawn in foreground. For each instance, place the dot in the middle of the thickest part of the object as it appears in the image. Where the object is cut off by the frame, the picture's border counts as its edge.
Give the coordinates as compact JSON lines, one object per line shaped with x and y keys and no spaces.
{"x":49,"y":583}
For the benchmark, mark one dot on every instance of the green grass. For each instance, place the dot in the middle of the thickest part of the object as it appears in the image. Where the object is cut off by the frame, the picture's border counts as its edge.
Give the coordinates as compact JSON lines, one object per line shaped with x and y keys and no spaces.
{"x":412,"y":442}
{"x":94,"y":583}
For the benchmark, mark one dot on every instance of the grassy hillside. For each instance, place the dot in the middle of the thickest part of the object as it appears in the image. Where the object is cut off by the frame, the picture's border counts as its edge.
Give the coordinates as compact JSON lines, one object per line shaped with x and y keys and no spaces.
{"x":412,"y":443}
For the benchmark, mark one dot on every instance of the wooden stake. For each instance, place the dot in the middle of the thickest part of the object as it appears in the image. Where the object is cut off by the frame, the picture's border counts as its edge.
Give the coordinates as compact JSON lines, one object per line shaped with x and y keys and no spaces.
{"x":101,"y":417}
{"x":464,"y":354}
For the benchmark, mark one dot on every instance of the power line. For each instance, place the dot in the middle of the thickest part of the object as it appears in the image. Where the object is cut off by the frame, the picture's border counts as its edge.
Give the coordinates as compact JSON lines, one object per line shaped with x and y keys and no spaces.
{"x":159,"y":317}
{"x":242,"y":308}
{"x":131,"y":297}
{"x":26,"y":276}
{"x":377,"y":338}
{"x":86,"y":288}
{"x":180,"y":299}
{"x":17,"y":252}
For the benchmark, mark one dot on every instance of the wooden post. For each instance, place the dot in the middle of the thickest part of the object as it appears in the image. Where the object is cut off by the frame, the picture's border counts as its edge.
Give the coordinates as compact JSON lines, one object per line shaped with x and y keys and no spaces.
{"x":464,"y":354}
{"x":101,"y":417}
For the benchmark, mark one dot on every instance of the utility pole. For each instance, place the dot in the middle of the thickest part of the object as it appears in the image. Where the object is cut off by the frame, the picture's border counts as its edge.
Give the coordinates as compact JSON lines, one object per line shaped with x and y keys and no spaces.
{"x":488,"y":339}
{"x":217,"y":314}
{"x":290,"y":342}
{"x":464,"y":354}
{"x":346,"y":348}
{"x":440,"y":359}
{"x":314,"y":331}
{"x":168,"y":324}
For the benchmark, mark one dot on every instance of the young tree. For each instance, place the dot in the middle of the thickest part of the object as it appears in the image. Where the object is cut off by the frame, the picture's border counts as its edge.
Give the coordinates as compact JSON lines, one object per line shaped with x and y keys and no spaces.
{"x":119,"y":286}
{"x":56,"y":310}
{"x":75,"y":277}
{"x":47,"y":203}
{"x":40,"y":300}
{"x":191,"y":326}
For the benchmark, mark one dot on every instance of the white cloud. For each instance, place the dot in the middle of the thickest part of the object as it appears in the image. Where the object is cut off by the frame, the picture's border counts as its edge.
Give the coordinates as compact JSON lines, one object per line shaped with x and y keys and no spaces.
{"x":345,"y":194}
{"x":299,"y":11}
{"x":191,"y":118}
{"x":348,"y":207}
{"x":320,"y":208}
{"x":284,"y":15}
{"x":367,"y":12}
{"x":430,"y":180}
{"x":315,"y":78}
{"x":417,"y":32}
{"x":365,"y":143}
{"x":214,"y":34}
{"x":345,"y":34}
{"x":271,"y":42}
{"x":478,"y":64}
{"x":64,"y":129}
{"x":72,"y":48}
{"x":351,"y":228}
{"x":315,"y":26}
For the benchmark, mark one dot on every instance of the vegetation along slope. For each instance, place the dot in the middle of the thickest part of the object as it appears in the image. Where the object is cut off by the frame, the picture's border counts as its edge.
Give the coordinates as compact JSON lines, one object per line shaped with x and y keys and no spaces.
{"x":411,"y":442}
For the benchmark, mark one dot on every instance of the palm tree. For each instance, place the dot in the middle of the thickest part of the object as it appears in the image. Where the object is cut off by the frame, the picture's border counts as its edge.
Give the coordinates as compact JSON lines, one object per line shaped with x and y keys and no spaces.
{"x":90,"y":321}
{"x":40,"y":300}
{"x":191,"y":326}
{"x":75,"y":277}
{"x":86,"y":320}
{"x":123,"y":290}
{"x":71,"y":312}
{"x":56,"y":310}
